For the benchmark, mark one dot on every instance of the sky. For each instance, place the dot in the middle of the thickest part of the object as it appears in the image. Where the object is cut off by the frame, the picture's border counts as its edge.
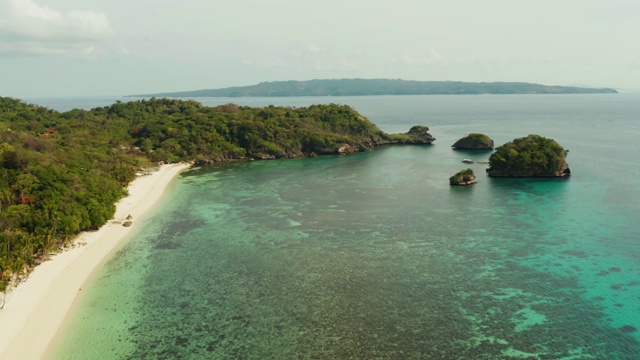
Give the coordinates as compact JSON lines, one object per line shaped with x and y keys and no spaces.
{"x":59,"y":48}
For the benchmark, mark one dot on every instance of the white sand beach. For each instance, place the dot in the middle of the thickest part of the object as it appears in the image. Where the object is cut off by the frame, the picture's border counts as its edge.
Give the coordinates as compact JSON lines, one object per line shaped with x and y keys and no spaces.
{"x":36,"y":309}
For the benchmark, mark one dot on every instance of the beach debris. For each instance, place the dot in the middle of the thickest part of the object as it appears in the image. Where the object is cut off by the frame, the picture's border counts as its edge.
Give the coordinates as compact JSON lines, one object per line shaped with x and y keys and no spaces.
{"x":127,"y":223}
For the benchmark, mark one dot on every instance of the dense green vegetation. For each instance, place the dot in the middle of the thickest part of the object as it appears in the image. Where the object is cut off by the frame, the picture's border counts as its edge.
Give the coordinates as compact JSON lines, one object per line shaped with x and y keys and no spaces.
{"x":61,"y":173}
{"x":474,"y":141}
{"x":463,"y":177}
{"x":531,"y":156}
{"x":351,"y":87}
{"x":416,"y":135}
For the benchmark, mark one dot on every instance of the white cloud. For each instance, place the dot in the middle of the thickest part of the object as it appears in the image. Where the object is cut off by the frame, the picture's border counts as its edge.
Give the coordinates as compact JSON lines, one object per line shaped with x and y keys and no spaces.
{"x":633,"y":61}
{"x":313,"y":49}
{"x":29,"y":28}
{"x":435,"y":54}
{"x":431,"y":56}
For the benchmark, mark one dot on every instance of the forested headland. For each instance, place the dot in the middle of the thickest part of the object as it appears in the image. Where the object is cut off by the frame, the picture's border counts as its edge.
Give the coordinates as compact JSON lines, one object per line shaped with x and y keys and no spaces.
{"x":61,"y":173}
{"x":365,"y":87}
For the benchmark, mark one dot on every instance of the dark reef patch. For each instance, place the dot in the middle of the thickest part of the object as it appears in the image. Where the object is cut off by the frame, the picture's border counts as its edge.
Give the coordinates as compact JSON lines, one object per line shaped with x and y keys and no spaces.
{"x":627,"y":329}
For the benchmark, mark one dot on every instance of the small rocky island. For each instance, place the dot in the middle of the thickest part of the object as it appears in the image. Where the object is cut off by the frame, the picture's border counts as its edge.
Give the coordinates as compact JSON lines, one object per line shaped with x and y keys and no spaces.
{"x":531,"y":156}
{"x":463,"y":178}
{"x":474,"y":141}
{"x":417,"y":135}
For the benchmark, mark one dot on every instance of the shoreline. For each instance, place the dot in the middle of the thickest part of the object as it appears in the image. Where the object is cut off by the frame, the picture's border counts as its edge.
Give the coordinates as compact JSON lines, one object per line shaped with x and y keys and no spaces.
{"x":36,"y":309}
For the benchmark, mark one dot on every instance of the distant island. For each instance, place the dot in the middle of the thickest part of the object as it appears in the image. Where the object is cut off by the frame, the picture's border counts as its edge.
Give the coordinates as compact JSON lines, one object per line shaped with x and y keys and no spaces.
{"x":363,"y":87}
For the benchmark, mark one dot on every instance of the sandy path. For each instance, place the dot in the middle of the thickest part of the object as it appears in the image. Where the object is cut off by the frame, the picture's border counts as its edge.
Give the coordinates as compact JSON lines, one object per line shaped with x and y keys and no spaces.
{"x":36,"y":309}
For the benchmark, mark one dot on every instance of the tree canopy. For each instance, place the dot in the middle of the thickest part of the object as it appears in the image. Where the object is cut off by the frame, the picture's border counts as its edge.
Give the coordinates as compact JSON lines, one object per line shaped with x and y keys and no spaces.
{"x":530,"y":156}
{"x":463,"y":177}
{"x":474,"y":141}
{"x":359,"y":87}
{"x":61,"y":173}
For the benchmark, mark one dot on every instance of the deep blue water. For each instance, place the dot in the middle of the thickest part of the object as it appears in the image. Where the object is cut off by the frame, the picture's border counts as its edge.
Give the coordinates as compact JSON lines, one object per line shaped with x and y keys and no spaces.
{"x":374,"y":256}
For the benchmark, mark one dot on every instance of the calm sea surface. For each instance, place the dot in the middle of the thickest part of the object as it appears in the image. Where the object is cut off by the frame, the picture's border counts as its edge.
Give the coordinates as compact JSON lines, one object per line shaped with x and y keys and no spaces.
{"x":374,"y":256}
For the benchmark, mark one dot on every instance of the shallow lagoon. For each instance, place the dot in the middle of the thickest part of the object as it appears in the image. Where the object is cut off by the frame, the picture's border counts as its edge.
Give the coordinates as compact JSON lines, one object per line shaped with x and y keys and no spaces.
{"x":374,"y":255}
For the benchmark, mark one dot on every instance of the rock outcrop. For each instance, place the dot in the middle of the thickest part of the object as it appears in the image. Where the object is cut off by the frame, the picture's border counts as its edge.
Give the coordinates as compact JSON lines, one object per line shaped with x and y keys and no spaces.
{"x":417,"y":135}
{"x":463,"y":178}
{"x":531,"y":156}
{"x":474,"y":141}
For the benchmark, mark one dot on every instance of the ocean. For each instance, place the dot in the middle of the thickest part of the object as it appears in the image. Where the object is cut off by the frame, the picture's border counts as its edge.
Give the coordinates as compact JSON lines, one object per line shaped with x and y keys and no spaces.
{"x":375,"y":256}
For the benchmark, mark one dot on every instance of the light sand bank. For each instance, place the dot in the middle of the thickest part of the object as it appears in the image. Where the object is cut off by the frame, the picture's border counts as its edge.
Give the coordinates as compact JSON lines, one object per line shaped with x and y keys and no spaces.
{"x":35,"y":310}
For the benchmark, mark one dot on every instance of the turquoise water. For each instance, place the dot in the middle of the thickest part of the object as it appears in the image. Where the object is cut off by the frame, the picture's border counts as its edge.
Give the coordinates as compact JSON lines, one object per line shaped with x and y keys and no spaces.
{"x":374,"y":256}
